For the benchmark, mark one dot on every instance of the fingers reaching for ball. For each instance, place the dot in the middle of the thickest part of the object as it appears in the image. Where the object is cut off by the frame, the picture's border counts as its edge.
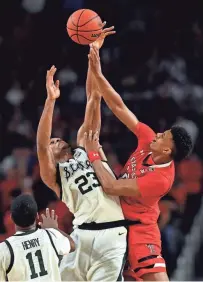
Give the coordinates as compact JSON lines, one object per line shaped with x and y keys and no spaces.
{"x":104,"y":33}
{"x":108,"y":31}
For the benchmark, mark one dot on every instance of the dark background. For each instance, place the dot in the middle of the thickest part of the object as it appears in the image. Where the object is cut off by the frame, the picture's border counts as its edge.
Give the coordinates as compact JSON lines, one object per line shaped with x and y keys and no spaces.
{"x":155,"y":62}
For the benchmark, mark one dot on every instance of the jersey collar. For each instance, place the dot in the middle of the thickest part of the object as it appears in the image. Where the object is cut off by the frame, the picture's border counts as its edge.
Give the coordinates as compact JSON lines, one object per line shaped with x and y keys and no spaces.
{"x":157,"y":165}
{"x":22,"y":233}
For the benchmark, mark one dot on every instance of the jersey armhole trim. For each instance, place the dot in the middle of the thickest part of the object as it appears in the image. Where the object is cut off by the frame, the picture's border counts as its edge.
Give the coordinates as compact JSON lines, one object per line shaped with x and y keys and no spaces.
{"x":58,"y":181}
{"x":12,"y":256}
{"x":52,"y":242}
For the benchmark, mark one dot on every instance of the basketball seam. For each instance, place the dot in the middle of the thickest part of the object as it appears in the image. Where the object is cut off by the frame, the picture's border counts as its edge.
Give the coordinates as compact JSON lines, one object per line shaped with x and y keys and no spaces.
{"x":73,"y":21}
{"x":81,"y":36}
{"x":78,"y":23}
{"x":88,"y":20}
{"x":83,"y":30}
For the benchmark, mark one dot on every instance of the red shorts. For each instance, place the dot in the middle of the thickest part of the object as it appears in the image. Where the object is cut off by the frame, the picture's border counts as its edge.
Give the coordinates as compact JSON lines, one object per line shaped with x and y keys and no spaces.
{"x":142,"y":259}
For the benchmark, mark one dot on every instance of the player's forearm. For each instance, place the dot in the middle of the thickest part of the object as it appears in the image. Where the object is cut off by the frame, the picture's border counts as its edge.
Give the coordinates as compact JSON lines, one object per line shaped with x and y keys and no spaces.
{"x":116,"y":104}
{"x":96,"y":121}
{"x":113,"y":187}
{"x":72,"y":243}
{"x":89,"y":83}
{"x":92,"y":114}
{"x":45,"y":124}
{"x":111,"y":97}
{"x":106,"y":180}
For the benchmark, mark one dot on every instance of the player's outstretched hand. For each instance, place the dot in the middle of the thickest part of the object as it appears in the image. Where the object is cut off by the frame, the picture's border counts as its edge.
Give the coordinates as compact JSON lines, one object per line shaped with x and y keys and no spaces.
{"x":91,"y":141}
{"x":94,"y":61}
{"x":49,"y":220}
{"x":53,"y":91}
{"x":105,"y":32}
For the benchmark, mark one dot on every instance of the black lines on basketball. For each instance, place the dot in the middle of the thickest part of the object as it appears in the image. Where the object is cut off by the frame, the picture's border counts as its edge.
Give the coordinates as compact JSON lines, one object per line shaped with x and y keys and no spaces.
{"x":73,"y":21}
{"x":84,"y":26}
{"x":88,"y":21}
{"x":78,"y":23}
{"x":80,"y":30}
{"x":79,"y":35}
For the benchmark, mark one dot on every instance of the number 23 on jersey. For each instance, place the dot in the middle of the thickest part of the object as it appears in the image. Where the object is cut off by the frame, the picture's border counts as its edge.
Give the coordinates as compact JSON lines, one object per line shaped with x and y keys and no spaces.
{"x":86,"y":183}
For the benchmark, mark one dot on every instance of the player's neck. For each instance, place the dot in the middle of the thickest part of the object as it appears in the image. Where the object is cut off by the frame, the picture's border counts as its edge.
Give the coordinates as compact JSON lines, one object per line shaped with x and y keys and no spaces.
{"x":158,"y":159}
{"x":65,"y":158}
{"x":24,"y":229}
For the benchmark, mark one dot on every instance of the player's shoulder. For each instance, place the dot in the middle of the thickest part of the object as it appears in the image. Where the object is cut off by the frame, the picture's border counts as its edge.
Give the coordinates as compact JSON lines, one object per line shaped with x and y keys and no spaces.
{"x":168,"y":172}
{"x":143,"y":126}
{"x":163,"y":175}
{"x":79,"y":151}
{"x":144,"y":132}
{"x":4,"y":247}
{"x":80,"y":155}
{"x":54,"y":233}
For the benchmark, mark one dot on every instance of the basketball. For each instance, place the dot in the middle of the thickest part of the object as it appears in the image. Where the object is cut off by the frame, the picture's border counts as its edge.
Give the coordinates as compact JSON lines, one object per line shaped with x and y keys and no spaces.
{"x":84,"y":26}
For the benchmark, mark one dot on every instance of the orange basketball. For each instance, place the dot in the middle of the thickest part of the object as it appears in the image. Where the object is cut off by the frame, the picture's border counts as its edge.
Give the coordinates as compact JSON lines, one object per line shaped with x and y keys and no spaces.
{"x":84,"y":26}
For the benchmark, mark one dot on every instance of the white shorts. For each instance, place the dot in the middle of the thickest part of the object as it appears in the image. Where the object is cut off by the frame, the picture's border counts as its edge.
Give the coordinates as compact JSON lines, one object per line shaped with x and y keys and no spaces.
{"x":99,"y":255}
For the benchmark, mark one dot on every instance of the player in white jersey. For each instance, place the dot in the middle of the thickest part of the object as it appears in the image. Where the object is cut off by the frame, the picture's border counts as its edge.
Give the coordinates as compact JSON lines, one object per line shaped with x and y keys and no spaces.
{"x":33,"y":254}
{"x":99,"y":231}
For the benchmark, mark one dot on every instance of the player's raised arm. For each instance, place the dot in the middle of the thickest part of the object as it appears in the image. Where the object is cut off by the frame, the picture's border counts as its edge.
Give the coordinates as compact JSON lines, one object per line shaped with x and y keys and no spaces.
{"x":111,"y":97}
{"x":92,"y":118}
{"x":45,"y":156}
{"x":63,"y":241}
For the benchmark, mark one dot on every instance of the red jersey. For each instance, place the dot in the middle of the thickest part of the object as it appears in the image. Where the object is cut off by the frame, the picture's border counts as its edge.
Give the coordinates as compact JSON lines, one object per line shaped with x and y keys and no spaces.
{"x":154,"y":181}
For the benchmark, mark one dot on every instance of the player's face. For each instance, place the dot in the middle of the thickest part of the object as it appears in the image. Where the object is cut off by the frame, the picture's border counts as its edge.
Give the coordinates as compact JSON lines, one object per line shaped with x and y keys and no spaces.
{"x":59,"y":148}
{"x":163,"y":143}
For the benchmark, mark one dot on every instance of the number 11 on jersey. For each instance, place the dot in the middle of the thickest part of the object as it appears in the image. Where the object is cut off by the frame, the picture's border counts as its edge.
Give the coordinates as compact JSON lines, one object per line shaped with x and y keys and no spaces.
{"x":42,"y":272}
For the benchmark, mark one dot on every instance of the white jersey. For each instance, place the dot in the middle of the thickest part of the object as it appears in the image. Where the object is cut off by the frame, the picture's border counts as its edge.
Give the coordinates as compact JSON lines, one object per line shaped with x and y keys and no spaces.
{"x":83,"y":194}
{"x":33,"y":255}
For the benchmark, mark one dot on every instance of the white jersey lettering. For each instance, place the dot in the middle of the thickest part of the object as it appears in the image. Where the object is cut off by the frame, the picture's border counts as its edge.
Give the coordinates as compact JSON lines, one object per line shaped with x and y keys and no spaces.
{"x":83,"y":194}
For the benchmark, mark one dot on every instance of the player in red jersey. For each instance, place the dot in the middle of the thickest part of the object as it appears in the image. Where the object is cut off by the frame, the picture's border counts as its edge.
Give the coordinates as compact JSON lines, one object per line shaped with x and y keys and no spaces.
{"x":147,"y":176}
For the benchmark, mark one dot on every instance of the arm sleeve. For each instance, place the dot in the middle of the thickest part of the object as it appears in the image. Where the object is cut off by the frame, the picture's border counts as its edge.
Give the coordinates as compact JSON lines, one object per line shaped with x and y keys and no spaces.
{"x":144,"y":133}
{"x":61,"y":242}
{"x":153,"y":184}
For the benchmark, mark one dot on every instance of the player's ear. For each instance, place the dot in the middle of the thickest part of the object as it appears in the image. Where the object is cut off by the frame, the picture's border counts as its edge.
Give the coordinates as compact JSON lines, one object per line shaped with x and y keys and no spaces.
{"x":167,"y":151}
{"x":37,"y":217}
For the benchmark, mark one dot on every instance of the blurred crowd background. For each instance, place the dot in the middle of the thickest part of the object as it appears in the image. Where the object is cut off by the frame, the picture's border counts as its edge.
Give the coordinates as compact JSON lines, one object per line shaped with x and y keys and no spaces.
{"x":155,"y":62}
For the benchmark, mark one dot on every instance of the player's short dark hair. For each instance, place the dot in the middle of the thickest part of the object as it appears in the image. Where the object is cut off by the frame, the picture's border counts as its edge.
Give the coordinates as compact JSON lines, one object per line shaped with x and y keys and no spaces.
{"x":182,"y":141}
{"x":24,"y":210}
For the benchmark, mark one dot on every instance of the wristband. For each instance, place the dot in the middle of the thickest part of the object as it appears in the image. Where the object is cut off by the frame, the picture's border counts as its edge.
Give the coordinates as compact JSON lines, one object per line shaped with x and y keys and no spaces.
{"x":93,"y":156}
